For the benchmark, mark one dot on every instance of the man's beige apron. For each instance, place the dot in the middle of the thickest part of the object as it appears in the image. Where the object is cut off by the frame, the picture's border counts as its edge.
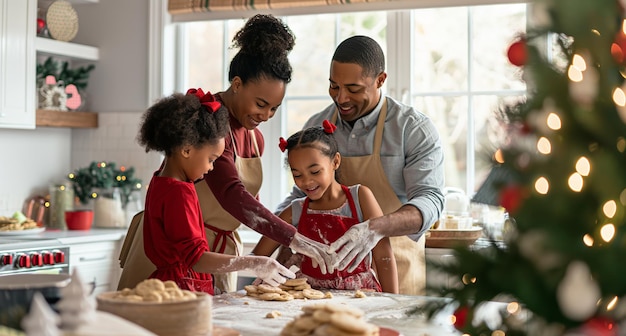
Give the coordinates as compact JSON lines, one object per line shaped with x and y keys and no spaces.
{"x":219,"y":225}
{"x":220,"y":229}
{"x":368,"y":170}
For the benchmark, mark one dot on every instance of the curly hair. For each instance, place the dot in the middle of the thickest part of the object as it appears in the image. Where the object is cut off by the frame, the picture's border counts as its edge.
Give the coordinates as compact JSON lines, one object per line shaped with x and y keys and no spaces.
{"x":178,"y":120}
{"x":264,"y":43}
{"x":364,"y":51}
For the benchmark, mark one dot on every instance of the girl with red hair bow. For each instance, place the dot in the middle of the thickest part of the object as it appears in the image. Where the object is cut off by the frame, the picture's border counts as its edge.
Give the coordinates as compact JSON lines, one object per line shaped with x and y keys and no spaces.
{"x":329,"y":210}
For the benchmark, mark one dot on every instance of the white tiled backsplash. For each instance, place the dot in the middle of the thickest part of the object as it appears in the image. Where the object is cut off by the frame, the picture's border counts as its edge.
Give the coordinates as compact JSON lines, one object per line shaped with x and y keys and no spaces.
{"x":114,"y":141}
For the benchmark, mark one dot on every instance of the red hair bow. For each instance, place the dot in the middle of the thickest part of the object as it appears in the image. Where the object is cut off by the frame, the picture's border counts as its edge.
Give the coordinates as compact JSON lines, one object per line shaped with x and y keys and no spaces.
{"x":282,"y":144}
{"x":329,"y":128}
{"x":207,"y":99}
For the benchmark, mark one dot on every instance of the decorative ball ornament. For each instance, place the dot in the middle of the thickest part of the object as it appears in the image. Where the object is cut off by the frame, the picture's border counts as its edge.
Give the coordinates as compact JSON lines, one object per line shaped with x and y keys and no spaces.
{"x":618,"y":48}
{"x":517,"y":53}
{"x":62,"y":21}
{"x":600,"y":326}
{"x":41,"y":25}
{"x":578,"y":293}
{"x":511,"y":198}
{"x":460,"y":317}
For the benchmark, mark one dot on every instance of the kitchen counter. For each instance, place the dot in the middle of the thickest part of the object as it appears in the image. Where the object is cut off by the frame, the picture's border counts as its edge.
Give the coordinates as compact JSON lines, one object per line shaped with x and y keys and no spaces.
{"x":78,"y":236}
{"x":248,"y":315}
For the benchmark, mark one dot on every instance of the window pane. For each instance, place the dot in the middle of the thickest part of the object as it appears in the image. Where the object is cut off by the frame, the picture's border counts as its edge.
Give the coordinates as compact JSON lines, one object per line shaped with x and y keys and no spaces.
{"x":204,"y":55}
{"x":490,"y":132}
{"x":494,"y":28}
{"x":300,"y":110}
{"x":311,"y":55}
{"x":450,"y":117}
{"x":372,"y":24}
{"x":440,"y":50}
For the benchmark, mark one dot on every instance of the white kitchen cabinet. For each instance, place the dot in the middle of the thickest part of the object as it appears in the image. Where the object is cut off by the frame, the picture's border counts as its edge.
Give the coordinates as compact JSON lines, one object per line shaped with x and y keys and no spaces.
{"x":97,"y":264}
{"x":17,"y":63}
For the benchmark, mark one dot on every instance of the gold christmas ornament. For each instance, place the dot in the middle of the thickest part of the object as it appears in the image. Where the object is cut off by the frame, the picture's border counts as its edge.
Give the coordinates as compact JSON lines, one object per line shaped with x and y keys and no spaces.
{"x":62,"y":21}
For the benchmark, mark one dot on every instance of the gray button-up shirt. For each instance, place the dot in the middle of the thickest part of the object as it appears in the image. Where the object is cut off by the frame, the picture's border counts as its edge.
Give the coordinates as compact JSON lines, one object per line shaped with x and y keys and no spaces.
{"x":411,"y":155}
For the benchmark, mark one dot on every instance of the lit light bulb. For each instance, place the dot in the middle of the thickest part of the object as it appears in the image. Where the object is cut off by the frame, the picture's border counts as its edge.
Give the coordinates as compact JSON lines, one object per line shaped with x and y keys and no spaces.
{"x":607,"y":232}
{"x":609,"y":208}
{"x":575,"y":182}
{"x":612,"y":303}
{"x":498,"y":156}
{"x":579,"y":62}
{"x":542,"y":185}
{"x":544,"y":146}
{"x":583,"y":167}
{"x":619,"y":98}
{"x":554,"y":122}
{"x":512,"y":307}
{"x":588,"y":240}
{"x":574,"y":74}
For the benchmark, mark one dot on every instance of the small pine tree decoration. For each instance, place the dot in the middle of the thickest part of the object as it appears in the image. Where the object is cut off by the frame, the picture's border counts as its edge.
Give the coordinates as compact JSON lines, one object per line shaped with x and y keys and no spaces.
{"x":104,"y":175}
{"x":561,"y":268}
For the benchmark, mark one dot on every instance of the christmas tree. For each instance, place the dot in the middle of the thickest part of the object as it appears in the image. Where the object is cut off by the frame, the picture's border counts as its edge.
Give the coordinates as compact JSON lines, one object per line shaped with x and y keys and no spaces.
{"x":565,"y":189}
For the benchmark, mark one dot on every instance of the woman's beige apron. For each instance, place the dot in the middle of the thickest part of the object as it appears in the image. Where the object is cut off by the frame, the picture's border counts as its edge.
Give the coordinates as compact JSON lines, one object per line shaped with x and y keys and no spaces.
{"x":220,"y":226}
{"x":220,"y":229}
{"x":368,"y":170}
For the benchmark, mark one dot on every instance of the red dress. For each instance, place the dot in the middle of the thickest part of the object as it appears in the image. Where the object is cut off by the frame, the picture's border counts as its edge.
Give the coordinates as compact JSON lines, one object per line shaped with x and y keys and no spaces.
{"x":173,"y":233}
{"x":326,"y":228}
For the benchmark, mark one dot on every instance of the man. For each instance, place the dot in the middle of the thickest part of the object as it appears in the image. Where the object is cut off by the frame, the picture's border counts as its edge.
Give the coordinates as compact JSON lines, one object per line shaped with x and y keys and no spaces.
{"x":389,"y":147}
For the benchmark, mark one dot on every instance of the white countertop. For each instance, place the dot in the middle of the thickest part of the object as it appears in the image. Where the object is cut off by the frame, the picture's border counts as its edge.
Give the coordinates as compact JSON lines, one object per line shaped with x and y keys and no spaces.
{"x":248,"y":315}
{"x":77,"y":236}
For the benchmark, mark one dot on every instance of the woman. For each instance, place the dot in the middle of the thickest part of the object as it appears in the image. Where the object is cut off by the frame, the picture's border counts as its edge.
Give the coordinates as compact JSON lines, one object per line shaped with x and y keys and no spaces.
{"x":258,"y":76}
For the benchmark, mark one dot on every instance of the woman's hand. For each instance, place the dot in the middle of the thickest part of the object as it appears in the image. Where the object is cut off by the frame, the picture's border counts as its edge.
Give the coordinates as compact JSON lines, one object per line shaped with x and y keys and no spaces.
{"x":317,"y":251}
{"x":354,"y":245}
{"x":268,"y":270}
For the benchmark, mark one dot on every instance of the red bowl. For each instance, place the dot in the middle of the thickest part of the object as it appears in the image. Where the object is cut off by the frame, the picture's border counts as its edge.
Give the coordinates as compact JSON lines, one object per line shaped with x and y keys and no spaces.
{"x":79,"y":219}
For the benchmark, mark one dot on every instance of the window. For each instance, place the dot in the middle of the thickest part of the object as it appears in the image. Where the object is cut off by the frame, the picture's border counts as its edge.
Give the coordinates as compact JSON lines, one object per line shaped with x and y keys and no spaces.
{"x":458,"y":76}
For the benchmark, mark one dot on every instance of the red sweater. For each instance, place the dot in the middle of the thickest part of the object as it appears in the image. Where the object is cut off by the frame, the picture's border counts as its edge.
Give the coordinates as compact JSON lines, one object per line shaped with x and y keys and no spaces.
{"x":233,"y":197}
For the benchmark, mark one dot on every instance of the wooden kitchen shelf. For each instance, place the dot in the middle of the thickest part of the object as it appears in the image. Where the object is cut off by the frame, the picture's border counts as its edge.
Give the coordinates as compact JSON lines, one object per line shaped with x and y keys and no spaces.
{"x":69,"y":119}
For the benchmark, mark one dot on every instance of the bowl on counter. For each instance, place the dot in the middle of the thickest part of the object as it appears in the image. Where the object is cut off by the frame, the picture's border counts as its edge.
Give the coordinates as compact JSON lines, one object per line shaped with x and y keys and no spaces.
{"x":449,"y":238}
{"x":18,"y":290}
{"x":78,"y":219}
{"x":170,"y":318}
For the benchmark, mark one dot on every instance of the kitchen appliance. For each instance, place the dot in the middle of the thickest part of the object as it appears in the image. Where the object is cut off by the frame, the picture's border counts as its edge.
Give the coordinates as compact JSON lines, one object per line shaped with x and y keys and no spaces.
{"x":19,"y":255}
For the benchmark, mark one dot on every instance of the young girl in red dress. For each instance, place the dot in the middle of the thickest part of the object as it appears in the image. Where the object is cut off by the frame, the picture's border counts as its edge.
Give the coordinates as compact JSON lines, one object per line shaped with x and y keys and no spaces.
{"x":329,"y":210}
{"x":189,"y":129}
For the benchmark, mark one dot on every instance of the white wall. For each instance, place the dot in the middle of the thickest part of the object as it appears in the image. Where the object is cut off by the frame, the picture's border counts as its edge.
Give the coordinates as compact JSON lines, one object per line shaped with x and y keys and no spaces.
{"x":118,"y":89}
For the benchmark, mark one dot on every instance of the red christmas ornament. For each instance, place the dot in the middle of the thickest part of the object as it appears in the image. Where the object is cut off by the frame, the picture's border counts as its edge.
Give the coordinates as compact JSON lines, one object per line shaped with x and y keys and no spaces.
{"x":618,"y":48}
{"x":511,"y":198}
{"x":525,"y":128}
{"x":517,"y":53}
{"x":460,"y":317}
{"x":41,"y":24}
{"x":600,"y":326}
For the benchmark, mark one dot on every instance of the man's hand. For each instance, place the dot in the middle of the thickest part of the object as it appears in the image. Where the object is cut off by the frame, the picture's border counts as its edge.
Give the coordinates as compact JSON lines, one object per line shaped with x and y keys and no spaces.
{"x":317,"y":251}
{"x":268,"y":270}
{"x":354,"y":245}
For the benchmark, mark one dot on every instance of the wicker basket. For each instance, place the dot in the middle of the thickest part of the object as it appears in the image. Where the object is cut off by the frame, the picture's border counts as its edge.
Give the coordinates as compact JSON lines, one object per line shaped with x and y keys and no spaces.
{"x":176,"y":318}
{"x":62,"y":21}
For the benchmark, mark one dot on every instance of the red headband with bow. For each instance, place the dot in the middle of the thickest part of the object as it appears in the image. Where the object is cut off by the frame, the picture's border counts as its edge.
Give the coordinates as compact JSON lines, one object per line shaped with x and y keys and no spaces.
{"x":329,"y":128}
{"x":282,"y":144}
{"x":207,"y":99}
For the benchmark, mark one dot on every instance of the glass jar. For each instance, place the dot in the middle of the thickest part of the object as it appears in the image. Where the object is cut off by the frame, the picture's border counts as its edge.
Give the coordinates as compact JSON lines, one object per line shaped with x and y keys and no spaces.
{"x":108,"y":211}
{"x":61,"y":200}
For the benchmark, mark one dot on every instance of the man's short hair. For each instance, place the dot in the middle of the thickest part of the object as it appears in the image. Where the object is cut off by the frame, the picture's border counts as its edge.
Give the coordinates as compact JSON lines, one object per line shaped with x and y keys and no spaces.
{"x":364,"y":51}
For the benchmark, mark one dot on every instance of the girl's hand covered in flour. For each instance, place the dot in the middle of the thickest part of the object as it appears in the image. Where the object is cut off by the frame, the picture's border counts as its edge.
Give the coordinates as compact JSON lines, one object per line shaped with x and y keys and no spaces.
{"x":268,"y":270}
{"x":354,"y":245}
{"x":315,"y":250}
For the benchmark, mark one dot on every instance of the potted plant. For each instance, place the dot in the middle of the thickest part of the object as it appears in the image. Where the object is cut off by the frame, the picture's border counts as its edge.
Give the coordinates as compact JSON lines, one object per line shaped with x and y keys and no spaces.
{"x":109,"y":189}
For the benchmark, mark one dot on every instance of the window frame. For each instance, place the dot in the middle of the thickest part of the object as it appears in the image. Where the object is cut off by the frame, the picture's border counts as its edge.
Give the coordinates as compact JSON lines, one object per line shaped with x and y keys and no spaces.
{"x":167,"y":72}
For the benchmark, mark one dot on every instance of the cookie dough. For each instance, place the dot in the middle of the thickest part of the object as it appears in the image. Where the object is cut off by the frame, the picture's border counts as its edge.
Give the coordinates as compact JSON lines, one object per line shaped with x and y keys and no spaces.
{"x":154,"y":290}
{"x":330,"y":319}
{"x":291,"y":289}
